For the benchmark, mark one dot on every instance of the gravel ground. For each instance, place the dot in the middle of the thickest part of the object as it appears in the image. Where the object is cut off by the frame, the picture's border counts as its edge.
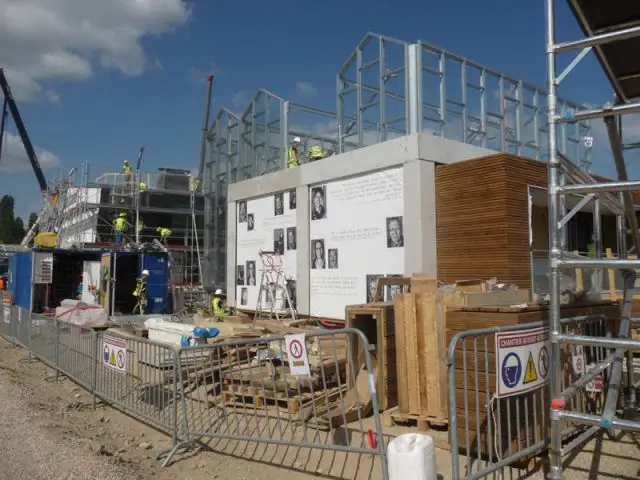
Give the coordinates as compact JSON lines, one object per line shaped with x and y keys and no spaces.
{"x":48,"y":431}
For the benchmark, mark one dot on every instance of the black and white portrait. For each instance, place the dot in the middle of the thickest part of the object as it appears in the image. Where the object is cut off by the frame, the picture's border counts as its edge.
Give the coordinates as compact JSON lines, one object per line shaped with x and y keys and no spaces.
{"x":332,"y":253}
{"x":395,"y":233}
{"x":292,"y":199}
{"x":390,"y":291}
{"x":251,"y":272}
{"x":278,"y":204}
{"x":318,"y":259}
{"x":291,"y":238}
{"x":242,"y":212}
{"x":240,"y":274}
{"x":291,"y":290}
{"x":318,"y":203}
{"x":250,"y":222}
{"x":244,"y":296}
{"x":278,"y":241}
{"x":372,"y":281}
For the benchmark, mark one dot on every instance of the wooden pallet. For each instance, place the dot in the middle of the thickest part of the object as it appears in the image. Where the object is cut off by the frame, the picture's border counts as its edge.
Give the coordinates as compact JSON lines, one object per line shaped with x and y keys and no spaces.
{"x":243,"y":396}
{"x":394,"y":417}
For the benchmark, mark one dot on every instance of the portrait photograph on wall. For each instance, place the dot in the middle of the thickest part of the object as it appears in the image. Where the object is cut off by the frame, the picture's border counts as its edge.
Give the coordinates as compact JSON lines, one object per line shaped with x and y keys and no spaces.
{"x":268,"y":223}
{"x":278,"y":204}
{"x":318,"y":203}
{"x":390,"y":291}
{"x":242,"y":212}
{"x":292,"y":239}
{"x":318,"y":260}
{"x":292,"y":199}
{"x":357,"y":240}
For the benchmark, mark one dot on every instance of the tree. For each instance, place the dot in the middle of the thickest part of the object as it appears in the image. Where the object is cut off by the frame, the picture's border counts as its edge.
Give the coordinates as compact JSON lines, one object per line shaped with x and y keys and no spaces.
{"x":7,"y":220}
{"x":11,"y":227}
{"x":33,"y":218}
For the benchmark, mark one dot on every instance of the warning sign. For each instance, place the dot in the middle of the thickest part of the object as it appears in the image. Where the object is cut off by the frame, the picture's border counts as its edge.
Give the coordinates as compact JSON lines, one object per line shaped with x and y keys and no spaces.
{"x":297,"y":354}
{"x":522,"y":361}
{"x":114,"y":354}
{"x":530,"y":374}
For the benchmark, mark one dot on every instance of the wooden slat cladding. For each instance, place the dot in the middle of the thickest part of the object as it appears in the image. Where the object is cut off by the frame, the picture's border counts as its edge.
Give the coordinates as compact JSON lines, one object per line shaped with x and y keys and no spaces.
{"x":482,"y":218}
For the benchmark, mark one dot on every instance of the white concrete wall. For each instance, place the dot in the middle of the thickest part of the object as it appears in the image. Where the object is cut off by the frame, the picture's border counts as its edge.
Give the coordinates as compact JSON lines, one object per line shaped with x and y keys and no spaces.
{"x":418,"y":155}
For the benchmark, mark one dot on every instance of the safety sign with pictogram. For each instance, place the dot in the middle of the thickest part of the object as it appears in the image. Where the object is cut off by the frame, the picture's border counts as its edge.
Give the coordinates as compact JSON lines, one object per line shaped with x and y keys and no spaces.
{"x":522,"y":361}
{"x":297,"y":354}
{"x":114,"y":354}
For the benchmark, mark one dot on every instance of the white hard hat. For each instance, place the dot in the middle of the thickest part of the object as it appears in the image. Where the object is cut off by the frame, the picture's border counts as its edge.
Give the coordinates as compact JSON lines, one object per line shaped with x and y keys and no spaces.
{"x":218,"y":291}
{"x":296,"y":140}
{"x":145,"y":272}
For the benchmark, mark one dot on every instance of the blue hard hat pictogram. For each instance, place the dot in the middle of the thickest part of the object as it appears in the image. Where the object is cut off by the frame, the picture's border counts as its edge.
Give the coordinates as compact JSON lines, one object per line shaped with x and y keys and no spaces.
{"x":511,"y":370}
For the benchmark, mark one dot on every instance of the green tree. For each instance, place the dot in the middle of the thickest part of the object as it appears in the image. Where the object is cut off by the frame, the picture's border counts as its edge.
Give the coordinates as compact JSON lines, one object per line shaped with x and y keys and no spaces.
{"x":7,"y":220}
{"x":18,"y":230}
{"x":33,"y":218}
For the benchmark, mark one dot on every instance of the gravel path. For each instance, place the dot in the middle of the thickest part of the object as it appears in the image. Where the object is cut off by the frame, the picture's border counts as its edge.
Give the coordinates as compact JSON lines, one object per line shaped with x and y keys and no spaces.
{"x":32,"y":451}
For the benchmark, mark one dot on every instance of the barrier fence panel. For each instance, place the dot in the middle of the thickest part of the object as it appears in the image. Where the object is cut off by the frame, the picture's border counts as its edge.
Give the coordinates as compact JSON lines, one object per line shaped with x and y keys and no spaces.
{"x":76,"y":352}
{"x":498,"y":393}
{"x":138,"y":376}
{"x":44,"y":340}
{"x":313,"y":391}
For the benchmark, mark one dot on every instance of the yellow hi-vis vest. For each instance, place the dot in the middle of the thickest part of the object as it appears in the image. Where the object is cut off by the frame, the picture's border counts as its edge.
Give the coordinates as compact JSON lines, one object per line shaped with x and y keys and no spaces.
{"x":218,"y":310}
{"x":165,"y":232}
{"x":121,"y":224}
{"x":293,"y":158}
{"x":141,"y":288}
{"x":142,"y":187}
{"x":316,"y":152}
{"x":127,"y":169}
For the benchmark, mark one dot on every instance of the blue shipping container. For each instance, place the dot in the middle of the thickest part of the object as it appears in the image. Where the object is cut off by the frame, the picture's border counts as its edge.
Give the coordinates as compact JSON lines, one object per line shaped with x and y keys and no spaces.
{"x":157,"y":285}
{"x":20,"y":278}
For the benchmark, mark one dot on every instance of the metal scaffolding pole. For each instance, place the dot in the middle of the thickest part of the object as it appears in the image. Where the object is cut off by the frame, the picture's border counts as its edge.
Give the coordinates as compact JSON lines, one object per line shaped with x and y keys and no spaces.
{"x":558,"y":258}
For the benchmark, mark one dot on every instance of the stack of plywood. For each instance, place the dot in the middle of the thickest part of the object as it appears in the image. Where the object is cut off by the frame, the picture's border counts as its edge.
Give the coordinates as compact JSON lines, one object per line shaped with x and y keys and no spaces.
{"x":484,"y":423}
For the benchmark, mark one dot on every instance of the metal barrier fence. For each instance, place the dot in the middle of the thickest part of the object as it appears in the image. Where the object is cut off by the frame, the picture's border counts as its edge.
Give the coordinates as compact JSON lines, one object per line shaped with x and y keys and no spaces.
{"x":498,"y":432}
{"x":253,"y":391}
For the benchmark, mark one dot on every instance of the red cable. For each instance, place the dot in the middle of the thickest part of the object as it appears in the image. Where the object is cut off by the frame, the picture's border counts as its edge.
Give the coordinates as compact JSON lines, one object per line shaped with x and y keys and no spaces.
{"x":328,"y":324}
{"x":83,"y":307}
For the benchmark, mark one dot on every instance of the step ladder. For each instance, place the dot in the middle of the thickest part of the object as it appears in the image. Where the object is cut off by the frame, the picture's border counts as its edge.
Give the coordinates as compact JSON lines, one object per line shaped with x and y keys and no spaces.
{"x":274,"y":294}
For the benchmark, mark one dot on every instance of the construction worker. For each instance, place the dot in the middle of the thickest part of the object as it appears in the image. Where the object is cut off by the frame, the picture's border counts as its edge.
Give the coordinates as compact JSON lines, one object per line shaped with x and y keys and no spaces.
{"x":195,"y":186}
{"x":217,"y":303}
{"x":127,"y":171}
{"x":316,"y":152}
{"x":3,"y":285}
{"x":141,"y":292}
{"x":293,"y":153}
{"x":142,"y":187}
{"x":164,"y":234}
{"x":121,"y":225}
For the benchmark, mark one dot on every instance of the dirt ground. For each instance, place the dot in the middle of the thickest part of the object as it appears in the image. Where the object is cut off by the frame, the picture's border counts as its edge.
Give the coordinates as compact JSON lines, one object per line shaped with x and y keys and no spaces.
{"x":49,"y":430}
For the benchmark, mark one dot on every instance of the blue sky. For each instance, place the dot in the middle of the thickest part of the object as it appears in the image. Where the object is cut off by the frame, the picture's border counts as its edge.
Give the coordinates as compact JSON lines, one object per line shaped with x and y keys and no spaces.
{"x":104,"y":117}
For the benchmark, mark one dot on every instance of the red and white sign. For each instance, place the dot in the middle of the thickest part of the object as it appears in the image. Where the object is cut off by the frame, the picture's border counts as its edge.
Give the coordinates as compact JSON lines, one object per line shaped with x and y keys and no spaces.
{"x":297,"y":354}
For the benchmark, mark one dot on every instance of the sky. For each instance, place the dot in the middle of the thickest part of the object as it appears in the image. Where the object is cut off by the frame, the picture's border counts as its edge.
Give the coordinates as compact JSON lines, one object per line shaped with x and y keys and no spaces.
{"x":96,"y":79}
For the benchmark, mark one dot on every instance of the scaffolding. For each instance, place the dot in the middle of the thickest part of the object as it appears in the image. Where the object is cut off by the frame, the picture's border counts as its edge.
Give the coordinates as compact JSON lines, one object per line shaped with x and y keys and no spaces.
{"x":95,"y":195}
{"x":610,"y":30}
{"x":386,"y":88}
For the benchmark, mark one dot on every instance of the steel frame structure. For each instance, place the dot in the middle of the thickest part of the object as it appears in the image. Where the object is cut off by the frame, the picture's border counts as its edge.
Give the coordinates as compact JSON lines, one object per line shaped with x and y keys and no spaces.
{"x":387,"y":88}
{"x":595,"y":39}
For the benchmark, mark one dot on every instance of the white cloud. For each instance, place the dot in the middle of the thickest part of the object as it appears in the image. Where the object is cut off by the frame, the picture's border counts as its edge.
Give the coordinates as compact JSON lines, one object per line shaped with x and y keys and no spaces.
{"x":13,"y":158}
{"x":64,"y":40}
{"x":306,"y":89}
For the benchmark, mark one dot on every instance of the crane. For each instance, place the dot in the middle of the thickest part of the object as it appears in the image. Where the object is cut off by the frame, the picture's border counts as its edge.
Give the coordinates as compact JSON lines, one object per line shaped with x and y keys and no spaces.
{"x":10,"y":103}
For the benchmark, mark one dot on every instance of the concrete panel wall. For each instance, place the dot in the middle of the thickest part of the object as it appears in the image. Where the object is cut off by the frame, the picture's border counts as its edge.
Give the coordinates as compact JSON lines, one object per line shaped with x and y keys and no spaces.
{"x":417,"y":154}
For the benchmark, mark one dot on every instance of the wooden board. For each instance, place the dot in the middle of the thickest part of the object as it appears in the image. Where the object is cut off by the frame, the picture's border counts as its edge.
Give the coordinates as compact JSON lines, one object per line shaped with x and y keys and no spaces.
{"x":377,"y":322}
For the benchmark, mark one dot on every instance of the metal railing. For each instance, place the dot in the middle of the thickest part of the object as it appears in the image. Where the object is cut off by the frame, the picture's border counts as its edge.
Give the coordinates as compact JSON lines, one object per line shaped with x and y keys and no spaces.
{"x":497,"y":433}
{"x":223,"y":395}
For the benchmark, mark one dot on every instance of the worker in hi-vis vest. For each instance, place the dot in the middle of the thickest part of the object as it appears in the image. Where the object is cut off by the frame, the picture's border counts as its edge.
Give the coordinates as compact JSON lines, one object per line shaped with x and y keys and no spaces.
{"x":316,"y":152}
{"x":121,"y":225}
{"x":141,"y":292}
{"x":164,"y":233}
{"x":293,"y":153}
{"x":218,"y":304}
{"x":126,"y":170}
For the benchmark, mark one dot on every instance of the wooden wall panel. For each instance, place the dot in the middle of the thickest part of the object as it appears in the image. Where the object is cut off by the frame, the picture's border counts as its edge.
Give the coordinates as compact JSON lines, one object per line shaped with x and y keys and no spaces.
{"x":482,"y":219}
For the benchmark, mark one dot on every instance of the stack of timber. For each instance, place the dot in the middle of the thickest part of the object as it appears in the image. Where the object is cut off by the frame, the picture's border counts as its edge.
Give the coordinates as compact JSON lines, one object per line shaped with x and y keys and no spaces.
{"x":485,"y":423}
{"x":263,"y":381}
